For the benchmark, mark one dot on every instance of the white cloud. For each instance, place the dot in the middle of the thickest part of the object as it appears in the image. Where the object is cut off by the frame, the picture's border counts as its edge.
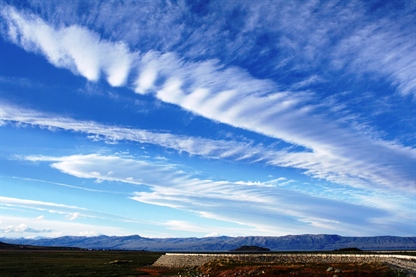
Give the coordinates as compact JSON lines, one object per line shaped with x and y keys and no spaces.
{"x":74,"y":47}
{"x":40,"y":158}
{"x":184,"y":226}
{"x":68,"y":212}
{"x":334,"y":149}
{"x":214,"y":234}
{"x":40,"y":217}
{"x":192,"y":145}
{"x":147,"y":76}
{"x":34,"y":203}
{"x":337,"y":155}
{"x":23,"y":228}
{"x":304,"y":35}
{"x":230,"y":95}
{"x":16,"y":227}
{"x":73,"y":216}
{"x":88,"y":233}
{"x":222,"y":200}
{"x":383,"y":47}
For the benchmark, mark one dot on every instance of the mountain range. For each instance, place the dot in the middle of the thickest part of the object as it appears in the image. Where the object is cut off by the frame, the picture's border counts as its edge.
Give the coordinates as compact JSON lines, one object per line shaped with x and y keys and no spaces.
{"x":283,"y":243}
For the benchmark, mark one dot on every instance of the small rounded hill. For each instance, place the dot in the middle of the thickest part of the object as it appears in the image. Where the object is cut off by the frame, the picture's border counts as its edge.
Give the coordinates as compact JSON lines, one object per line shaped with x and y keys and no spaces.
{"x":250,"y":248}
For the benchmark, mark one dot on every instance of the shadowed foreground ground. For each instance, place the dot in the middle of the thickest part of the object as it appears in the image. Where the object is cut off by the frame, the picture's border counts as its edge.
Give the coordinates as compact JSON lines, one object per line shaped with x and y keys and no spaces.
{"x":74,"y":262}
{"x":139,"y":263}
{"x":222,"y":269}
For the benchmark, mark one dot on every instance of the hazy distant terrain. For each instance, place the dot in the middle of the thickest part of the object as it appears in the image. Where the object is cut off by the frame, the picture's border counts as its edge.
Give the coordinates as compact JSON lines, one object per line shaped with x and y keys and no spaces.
{"x":284,"y":243}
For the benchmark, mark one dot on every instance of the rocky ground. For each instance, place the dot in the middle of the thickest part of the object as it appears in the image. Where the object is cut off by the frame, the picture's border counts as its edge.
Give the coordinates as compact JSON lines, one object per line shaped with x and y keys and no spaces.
{"x":231,"y":269}
{"x":260,"y":265}
{"x":221,"y":270}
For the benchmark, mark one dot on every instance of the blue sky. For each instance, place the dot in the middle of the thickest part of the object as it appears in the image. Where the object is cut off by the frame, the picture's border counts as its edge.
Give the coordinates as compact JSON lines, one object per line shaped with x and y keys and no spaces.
{"x":206,"y":118}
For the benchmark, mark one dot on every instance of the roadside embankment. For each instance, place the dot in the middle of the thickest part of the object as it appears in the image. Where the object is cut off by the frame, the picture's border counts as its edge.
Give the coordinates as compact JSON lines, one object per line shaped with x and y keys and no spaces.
{"x":180,"y":260}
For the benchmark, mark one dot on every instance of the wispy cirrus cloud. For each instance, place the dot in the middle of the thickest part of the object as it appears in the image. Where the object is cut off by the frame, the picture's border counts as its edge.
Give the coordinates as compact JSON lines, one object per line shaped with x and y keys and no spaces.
{"x":222,"y":199}
{"x":74,"y":48}
{"x":383,"y":47}
{"x":264,"y":72}
{"x":297,"y":37}
{"x":329,"y":160}
{"x":69,"y":212}
{"x":230,"y":95}
{"x":344,"y":158}
{"x":41,"y":205}
{"x":11,"y":114}
{"x":66,"y":185}
{"x":242,"y":101}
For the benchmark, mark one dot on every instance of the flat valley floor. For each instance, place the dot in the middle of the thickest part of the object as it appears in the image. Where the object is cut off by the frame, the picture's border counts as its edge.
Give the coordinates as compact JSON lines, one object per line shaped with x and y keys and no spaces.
{"x":140,"y":263}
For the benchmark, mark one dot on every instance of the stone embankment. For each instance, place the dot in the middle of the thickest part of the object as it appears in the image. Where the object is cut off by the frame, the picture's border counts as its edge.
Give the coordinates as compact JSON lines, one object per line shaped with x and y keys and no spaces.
{"x":406,"y":265}
{"x":180,"y":260}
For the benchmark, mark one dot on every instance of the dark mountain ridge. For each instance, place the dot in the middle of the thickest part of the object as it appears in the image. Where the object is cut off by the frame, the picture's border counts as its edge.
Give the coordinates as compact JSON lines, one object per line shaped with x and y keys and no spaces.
{"x":284,"y":243}
{"x":8,"y":246}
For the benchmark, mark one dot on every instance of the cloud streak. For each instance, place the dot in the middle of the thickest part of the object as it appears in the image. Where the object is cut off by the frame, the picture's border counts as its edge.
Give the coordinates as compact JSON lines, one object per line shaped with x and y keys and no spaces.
{"x":74,"y":48}
{"x":229,"y":95}
{"x":69,"y":212}
{"x":291,"y":72}
{"x":296,"y":37}
{"x":245,"y":203}
{"x":343,"y":159}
